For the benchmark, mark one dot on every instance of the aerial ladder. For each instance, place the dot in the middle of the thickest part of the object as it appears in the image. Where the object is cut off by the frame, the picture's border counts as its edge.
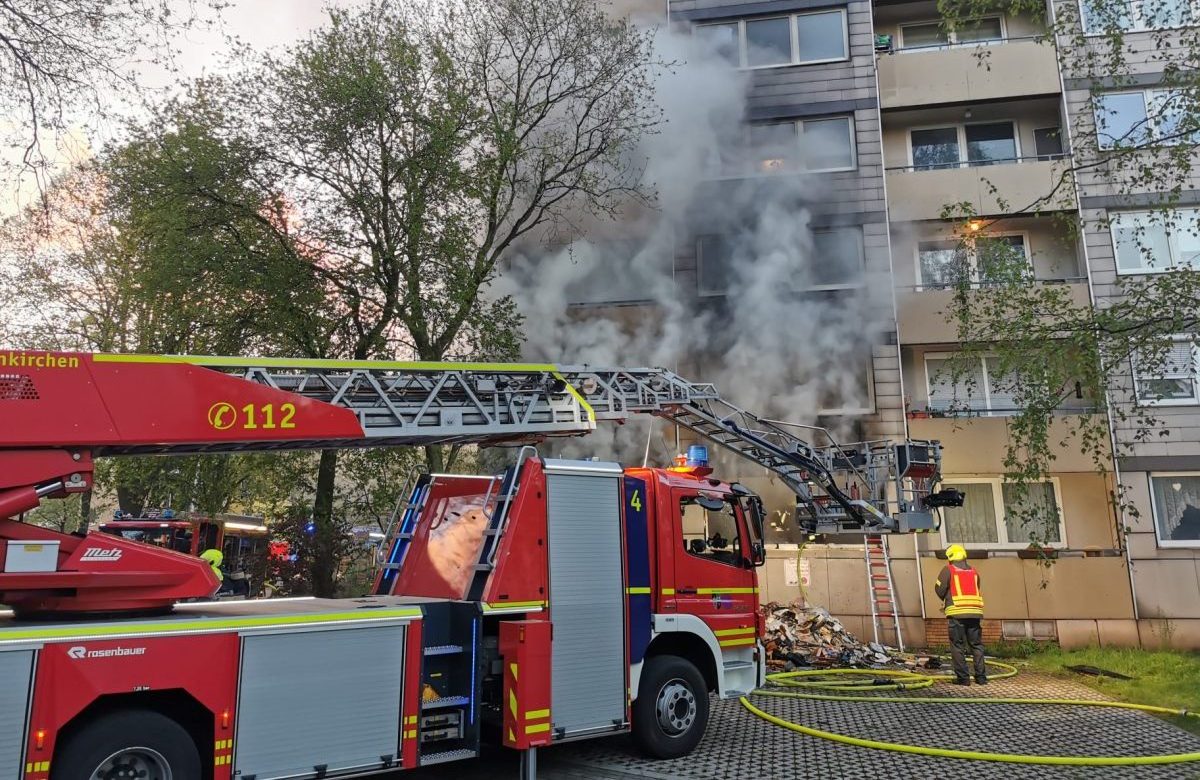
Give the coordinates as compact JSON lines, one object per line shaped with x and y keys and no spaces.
{"x":58,"y":411}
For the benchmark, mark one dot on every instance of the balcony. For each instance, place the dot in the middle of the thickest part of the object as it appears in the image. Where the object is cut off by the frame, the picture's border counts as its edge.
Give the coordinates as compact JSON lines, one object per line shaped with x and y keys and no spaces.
{"x":1020,"y":185}
{"x":942,"y":75}
{"x":921,"y":313}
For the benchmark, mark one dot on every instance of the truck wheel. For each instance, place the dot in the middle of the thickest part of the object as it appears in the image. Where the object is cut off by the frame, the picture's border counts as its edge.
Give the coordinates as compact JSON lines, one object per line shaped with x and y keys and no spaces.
{"x":670,"y":713}
{"x":129,"y":744}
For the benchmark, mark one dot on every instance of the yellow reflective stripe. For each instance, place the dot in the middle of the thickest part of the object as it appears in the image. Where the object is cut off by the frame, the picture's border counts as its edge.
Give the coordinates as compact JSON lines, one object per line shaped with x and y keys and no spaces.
{"x":734,"y":631}
{"x":513,"y":668}
{"x":222,"y":760}
{"x":409,"y":720}
{"x":37,"y":766}
{"x":410,"y":733}
{"x":537,"y":714}
{"x":668,"y":591}
{"x":513,"y":605}
{"x":737,"y":642}
{"x":721,"y":591}
{"x":537,"y":728}
{"x":587,"y":408}
{"x":174,"y":627}
{"x":638,"y":591}
{"x":224,"y":744}
{"x":512,"y":703}
{"x":220,"y":361}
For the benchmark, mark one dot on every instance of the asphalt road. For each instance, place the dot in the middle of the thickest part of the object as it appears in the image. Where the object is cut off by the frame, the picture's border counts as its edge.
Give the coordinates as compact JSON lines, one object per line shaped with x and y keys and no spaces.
{"x":739,"y":745}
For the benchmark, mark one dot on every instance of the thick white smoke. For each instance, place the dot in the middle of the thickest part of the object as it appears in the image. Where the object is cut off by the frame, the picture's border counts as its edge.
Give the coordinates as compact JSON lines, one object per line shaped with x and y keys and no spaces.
{"x":765,"y":344}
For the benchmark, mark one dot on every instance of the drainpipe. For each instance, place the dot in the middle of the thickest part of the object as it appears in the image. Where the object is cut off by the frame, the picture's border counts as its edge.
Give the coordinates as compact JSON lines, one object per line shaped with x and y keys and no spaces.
{"x":1122,"y":541}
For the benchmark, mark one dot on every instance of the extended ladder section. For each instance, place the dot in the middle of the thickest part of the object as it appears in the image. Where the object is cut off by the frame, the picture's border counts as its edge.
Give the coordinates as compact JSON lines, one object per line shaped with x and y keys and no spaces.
{"x":885,"y":616}
{"x":132,"y":404}
{"x":870,"y":486}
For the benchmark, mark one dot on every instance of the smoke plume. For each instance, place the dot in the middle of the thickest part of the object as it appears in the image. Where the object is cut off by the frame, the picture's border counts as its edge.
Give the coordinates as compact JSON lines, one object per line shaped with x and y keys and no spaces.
{"x":634,"y":294}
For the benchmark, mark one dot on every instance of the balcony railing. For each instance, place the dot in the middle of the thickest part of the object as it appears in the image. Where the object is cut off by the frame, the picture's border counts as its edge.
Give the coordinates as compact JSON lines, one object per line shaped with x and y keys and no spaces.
{"x":964,"y":44}
{"x":982,"y":163}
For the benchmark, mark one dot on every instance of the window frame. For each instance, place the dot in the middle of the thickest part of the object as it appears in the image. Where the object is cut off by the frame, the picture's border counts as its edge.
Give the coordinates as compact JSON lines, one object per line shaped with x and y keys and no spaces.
{"x":794,"y":31}
{"x":1167,"y":543}
{"x":951,"y":35}
{"x":1056,"y":155}
{"x":1149,"y":94}
{"x":859,"y":282}
{"x":738,"y":524}
{"x":972,"y":257}
{"x":1004,"y":543}
{"x":798,"y":133}
{"x":700,"y":289}
{"x":961,"y":128}
{"x":861,"y":243}
{"x":1195,"y":377}
{"x":1172,"y":248}
{"x":1136,"y":19}
{"x":987,"y":410}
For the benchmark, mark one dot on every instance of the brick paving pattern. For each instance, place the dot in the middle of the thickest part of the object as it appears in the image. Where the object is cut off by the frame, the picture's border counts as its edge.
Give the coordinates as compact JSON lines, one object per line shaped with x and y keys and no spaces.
{"x":739,"y":745}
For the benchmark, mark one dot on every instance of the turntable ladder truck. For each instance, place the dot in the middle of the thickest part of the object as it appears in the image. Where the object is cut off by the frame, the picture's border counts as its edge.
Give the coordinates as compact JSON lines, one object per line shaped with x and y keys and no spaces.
{"x":560,"y":600}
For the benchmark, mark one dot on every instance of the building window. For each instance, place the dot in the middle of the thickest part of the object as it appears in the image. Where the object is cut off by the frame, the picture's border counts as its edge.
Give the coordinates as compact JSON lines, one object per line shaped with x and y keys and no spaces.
{"x":710,"y":532}
{"x":942,"y":264}
{"x":977,"y":388}
{"x":930,"y":35}
{"x":1100,"y":16}
{"x":837,"y":258}
{"x":797,"y":39}
{"x":1047,"y":143}
{"x":813,"y":145}
{"x":971,"y":145}
{"x":835,"y":262}
{"x":1170,"y":378}
{"x":1131,"y":119}
{"x":1175,"y":500}
{"x":997,"y":514}
{"x":714,"y":264}
{"x":1148,"y":242}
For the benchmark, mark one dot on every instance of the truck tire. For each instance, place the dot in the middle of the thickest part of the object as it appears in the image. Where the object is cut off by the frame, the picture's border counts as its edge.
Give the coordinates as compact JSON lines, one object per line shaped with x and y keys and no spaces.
{"x":670,"y":713}
{"x":128,"y":743}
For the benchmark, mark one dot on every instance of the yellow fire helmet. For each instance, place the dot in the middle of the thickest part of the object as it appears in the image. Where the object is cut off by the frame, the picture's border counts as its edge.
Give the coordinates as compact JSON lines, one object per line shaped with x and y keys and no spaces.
{"x":956,"y":552}
{"x":214,"y":558}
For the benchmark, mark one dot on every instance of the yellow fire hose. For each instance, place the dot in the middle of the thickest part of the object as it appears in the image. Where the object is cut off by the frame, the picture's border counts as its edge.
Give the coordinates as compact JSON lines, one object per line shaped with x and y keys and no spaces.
{"x":829,"y":680}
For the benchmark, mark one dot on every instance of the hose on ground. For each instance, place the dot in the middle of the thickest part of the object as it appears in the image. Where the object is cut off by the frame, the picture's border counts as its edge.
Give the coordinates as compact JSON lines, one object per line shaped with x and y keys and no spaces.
{"x":831,"y":680}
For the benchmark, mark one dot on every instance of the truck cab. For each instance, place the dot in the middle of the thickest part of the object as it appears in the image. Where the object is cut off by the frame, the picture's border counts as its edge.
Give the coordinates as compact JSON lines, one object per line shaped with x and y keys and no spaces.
{"x":642,"y":582}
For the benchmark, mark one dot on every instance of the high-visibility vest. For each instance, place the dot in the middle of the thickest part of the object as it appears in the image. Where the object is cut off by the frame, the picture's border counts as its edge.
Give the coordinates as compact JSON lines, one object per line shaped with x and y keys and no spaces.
{"x":965,"y":598}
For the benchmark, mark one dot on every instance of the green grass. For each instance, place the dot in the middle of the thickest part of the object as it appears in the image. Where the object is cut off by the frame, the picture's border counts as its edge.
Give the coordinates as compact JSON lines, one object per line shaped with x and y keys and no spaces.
{"x":1163,"y":678}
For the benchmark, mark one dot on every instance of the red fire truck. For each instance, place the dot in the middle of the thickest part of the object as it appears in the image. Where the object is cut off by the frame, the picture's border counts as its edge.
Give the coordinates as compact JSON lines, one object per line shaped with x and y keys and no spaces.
{"x":244,"y":542}
{"x":560,"y":600}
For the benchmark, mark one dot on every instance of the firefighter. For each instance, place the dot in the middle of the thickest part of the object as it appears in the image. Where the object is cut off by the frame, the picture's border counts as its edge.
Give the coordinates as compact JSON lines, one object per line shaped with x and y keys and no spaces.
{"x":214,"y":558}
{"x":958,"y":586}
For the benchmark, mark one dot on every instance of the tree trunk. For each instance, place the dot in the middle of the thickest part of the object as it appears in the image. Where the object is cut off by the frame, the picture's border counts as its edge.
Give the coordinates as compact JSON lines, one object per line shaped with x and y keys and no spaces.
{"x":435,"y":458}
{"x":85,"y":510}
{"x":325,"y":541}
{"x":131,"y":500}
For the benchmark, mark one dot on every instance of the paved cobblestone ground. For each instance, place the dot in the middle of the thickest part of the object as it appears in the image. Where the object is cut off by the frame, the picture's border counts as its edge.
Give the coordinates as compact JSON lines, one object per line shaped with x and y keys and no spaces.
{"x":739,"y":745}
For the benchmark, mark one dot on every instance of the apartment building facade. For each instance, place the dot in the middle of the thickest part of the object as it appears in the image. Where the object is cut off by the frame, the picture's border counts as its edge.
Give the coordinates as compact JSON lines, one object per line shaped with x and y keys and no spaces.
{"x":982,"y":116}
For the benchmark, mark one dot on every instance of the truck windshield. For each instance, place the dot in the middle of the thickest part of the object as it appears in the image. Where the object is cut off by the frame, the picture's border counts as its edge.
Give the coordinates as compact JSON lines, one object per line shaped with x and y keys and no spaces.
{"x":710,"y":532}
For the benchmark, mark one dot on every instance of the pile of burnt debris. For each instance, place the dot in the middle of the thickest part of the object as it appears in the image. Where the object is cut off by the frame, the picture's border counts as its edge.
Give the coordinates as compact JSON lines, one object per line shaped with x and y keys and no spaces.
{"x":798,"y":637}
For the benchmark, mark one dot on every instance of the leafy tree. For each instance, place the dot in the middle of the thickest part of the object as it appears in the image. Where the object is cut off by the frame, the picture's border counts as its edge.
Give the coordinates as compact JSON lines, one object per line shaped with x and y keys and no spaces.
{"x":1049,"y":348}
{"x":63,"y":61}
{"x":416,"y":145}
